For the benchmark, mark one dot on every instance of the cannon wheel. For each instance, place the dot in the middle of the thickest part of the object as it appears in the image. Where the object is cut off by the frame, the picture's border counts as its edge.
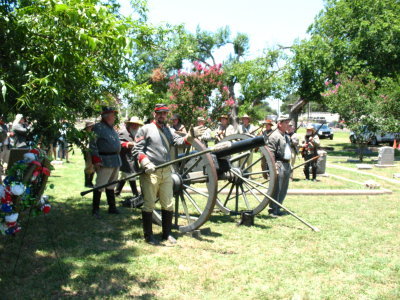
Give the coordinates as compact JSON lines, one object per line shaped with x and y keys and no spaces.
{"x":195,"y":190}
{"x":258,"y":166}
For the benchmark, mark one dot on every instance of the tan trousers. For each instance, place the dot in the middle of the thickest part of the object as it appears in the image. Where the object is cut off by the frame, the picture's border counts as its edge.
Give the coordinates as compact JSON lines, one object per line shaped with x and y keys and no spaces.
{"x":157,"y":185}
{"x":106,"y":175}
{"x":89,"y":167}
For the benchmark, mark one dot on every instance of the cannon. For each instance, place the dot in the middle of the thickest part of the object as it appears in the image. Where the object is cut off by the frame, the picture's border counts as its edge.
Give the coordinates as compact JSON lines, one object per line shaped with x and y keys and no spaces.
{"x":211,"y":182}
{"x":238,"y":175}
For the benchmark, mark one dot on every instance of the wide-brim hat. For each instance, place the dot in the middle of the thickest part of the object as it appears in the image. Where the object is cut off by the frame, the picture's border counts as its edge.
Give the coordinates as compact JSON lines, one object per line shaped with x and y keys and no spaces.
{"x":284,"y":118}
{"x":134,"y":120}
{"x":89,"y":124}
{"x":246,"y":116}
{"x":310,"y":127}
{"x":161,"y":108}
{"x":268,"y":121}
{"x":201,"y":119}
{"x":223,"y":116}
{"x":108,"y":109}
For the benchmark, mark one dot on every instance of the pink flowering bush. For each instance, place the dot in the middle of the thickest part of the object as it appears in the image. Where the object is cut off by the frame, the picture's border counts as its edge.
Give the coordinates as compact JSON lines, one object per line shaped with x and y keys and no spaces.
{"x":358,"y":102}
{"x":199,"y":93}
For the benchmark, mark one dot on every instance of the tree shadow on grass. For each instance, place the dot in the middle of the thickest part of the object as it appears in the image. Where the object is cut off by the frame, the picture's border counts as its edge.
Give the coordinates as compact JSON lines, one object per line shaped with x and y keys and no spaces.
{"x":68,"y":253}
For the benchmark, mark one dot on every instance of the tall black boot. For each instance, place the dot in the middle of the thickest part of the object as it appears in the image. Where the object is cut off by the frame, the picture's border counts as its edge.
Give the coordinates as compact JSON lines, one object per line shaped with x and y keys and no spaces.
{"x":91,"y":176}
{"x":147,"y":219}
{"x":88,"y":182}
{"x":119,"y":188}
{"x":112,"y":209}
{"x":96,"y":203}
{"x":166,"y":221}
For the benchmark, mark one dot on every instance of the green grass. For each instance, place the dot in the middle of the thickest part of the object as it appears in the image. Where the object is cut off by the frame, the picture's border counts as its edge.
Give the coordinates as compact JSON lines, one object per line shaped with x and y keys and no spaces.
{"x":355,"y":256}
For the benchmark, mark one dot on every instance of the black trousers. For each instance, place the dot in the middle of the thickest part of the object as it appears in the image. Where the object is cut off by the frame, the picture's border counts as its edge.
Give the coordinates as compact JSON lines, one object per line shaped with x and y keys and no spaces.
{"x":312,"y":165}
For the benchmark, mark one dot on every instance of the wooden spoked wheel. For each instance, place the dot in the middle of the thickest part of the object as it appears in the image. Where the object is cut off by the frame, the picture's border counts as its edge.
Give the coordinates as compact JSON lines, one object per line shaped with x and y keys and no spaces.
{"x":257,"y":166}
{"x":195,"y":190}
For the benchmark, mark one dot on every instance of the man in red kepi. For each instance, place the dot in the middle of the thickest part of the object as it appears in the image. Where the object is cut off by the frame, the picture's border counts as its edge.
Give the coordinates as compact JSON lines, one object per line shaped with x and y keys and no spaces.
{"x":105,"y":149}
{"x":152,"y":148}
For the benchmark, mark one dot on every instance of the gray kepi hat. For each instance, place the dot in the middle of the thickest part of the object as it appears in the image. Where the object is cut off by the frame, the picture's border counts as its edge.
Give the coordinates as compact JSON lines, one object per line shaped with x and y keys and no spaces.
{"x":284,"y":118}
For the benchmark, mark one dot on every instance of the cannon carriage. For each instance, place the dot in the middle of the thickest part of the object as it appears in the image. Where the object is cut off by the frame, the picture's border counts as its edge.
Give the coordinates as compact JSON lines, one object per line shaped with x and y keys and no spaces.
{"x":221,"y":180}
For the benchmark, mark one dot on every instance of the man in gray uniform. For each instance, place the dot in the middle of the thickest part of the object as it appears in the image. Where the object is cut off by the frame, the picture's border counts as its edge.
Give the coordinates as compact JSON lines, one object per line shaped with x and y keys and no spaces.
{"x":246,"y":126}
{"x":152,"y":148}
{"x":279,"y":144}
{"x":3,"y":137}
{"x":105,"y":149}
{"x":21,"y":131}
{"x":126,"y":136}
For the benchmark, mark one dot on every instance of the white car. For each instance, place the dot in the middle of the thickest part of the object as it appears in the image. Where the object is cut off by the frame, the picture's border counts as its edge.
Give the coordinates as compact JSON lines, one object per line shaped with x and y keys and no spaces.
{"x":375,"y":138}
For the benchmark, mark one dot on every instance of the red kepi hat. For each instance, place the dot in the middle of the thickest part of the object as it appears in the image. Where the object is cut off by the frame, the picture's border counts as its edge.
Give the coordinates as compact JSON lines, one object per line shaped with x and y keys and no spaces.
{"x":161,"y":107}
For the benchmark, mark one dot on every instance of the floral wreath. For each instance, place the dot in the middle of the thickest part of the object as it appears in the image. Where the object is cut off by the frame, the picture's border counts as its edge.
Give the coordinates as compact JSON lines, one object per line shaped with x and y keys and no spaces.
{"x":21,"y":189}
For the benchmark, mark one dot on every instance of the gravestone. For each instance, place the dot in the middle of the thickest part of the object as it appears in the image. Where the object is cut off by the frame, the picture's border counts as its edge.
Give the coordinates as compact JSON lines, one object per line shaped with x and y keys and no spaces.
{"x":385,"y":157}
{"x":321,"y":162}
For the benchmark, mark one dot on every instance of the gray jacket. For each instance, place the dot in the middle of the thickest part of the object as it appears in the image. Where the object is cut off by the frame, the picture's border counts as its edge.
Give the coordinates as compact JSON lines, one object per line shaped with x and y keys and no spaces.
{"x":106,"y":147}
{"x":150,"y":143}
{"x":277,"y":143}
{"x":126,"y":152}
{"x":20,"y":135}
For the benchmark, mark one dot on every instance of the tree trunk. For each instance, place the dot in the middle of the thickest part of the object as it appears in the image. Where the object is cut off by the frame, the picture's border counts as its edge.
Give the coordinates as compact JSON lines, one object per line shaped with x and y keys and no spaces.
{"x":235,"y":107}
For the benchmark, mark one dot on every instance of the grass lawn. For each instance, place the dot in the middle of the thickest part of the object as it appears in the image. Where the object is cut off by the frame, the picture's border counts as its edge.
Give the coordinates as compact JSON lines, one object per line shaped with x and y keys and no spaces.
{"x":355,"y":256}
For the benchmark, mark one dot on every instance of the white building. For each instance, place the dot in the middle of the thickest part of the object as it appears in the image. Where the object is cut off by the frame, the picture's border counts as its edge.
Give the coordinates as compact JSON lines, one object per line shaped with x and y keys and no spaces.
{"x":319,"y":116}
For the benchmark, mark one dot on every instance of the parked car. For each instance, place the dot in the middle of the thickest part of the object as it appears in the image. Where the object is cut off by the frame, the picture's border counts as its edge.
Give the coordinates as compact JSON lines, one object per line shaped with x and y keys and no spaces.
{"x":324,"y":132}
{"x":375,"y":138}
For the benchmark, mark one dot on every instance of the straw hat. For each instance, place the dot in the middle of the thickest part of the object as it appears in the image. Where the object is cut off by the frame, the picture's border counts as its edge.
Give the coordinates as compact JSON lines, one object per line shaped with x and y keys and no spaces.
{"x":134,"y":120}
{"x":88,"y":124}
{"x":223,"y":116}
{"x":310,"y":127}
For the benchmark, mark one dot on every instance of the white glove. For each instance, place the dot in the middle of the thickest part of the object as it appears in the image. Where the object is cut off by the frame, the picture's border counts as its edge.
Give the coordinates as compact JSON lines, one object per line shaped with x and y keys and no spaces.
{"x":195,"y":132}
{"x":148,"y":166}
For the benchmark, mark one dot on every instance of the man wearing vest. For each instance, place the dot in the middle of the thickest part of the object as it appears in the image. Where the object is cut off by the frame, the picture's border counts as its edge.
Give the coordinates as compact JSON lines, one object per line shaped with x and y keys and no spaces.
{"x":152,"y":148}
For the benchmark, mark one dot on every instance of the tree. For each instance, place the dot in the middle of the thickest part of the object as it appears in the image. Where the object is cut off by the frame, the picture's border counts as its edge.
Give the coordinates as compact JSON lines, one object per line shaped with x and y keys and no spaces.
{"x":355,"y":99}
{"x":348,"y":36}
{"x":258,"y":78}
{"x":199,"y":93}
{"x":63,"y":60}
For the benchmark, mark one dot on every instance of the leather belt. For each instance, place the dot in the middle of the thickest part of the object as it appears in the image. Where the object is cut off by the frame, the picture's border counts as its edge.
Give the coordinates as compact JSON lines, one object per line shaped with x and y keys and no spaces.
{"x":108,"y":153}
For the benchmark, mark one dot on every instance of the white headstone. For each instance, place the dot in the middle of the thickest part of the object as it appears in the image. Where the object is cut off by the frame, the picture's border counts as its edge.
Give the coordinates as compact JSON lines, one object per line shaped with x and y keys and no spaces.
{"x":386,"y":156}
{"x":321,"y":162}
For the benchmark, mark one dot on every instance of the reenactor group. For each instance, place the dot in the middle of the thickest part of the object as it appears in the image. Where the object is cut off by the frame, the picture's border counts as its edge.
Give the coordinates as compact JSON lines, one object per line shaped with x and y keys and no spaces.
{"x":114,"y":154}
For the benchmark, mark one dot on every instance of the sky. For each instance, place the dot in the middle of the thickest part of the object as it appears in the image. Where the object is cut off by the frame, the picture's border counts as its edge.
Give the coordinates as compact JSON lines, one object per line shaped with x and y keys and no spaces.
{"x":268,"y":23}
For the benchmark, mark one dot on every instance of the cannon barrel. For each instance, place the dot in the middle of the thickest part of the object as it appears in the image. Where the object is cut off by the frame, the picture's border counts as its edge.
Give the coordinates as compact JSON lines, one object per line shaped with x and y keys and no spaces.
{"x":241,"y":146}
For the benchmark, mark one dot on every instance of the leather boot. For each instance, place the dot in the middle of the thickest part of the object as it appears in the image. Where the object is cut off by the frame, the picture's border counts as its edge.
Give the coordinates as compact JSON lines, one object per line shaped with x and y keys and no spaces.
{"x":112,"y":209}
{"x":96,"y":204}
{"x":88,"y":181}
{"x":147,"y":219}
{"x":134,"y":188}
{"x":119,"y":188}
{"x":91,"y":176}
{"x":166,"y":221}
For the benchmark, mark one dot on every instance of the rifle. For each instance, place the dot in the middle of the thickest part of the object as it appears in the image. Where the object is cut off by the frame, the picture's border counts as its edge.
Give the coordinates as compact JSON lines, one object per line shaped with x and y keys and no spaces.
{"x":306,"y":162}
{"x":218,"y":147}
{"x":303,"y":149}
